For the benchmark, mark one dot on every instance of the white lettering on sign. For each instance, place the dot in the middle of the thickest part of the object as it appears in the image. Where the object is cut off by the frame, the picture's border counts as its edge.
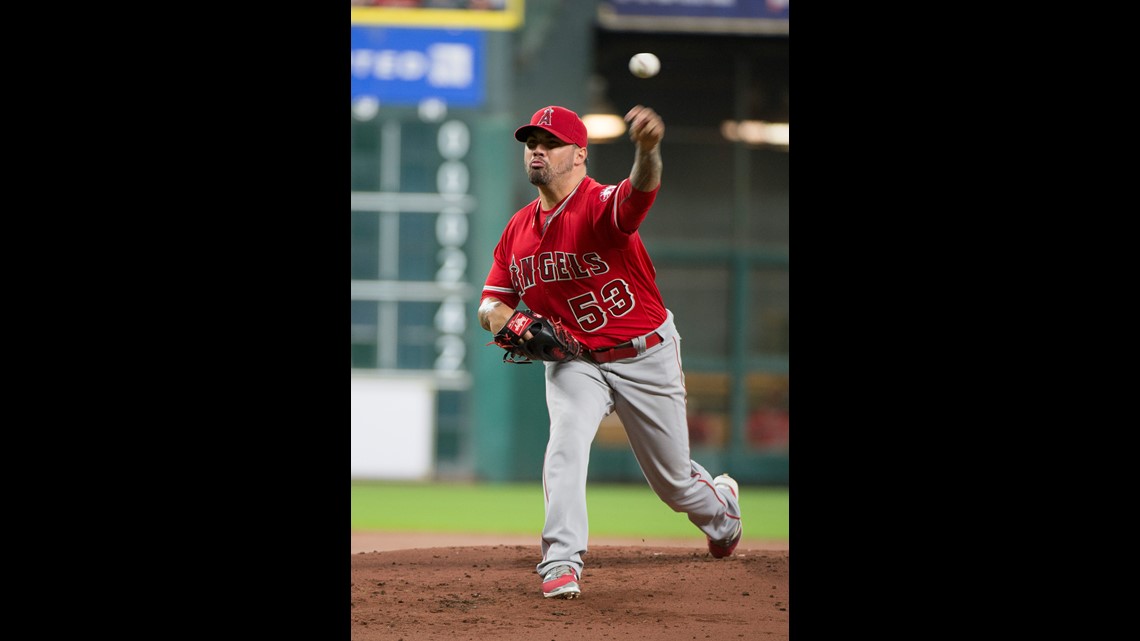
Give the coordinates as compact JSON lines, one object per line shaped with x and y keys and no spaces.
{"x":443,"y":65}
{"x":452,"y":65}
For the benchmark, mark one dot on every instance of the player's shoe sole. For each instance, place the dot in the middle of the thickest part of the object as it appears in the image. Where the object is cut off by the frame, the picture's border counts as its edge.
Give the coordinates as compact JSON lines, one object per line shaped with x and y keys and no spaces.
{"x":721,"y":549}
{"x":561,"y":583}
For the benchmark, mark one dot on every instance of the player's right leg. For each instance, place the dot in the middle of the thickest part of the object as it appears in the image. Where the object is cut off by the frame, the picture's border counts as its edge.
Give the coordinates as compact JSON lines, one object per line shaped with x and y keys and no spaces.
{"x":561,"y":582}
{"x":577,"y":399}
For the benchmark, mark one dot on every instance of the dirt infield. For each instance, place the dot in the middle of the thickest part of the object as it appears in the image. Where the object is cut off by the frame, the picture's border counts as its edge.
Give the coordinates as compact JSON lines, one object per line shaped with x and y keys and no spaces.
{"x":661,"y":590}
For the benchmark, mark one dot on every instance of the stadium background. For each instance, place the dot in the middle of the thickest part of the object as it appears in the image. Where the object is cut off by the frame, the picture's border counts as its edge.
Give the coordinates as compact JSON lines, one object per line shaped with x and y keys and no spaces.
{"x":435,"y":175}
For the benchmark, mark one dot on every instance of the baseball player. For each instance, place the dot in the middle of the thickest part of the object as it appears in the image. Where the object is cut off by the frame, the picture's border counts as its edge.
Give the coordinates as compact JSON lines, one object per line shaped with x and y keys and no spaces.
{"x":574,"y":255}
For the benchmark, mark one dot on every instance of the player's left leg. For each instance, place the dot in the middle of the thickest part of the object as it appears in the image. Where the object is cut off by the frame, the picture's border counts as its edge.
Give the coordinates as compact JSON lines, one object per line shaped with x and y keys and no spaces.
{"x":649,"y":396}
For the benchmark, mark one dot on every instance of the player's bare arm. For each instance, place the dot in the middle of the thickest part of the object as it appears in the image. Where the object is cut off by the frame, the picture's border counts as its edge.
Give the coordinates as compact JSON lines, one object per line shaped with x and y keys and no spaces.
{"x":646,"y":129}
{"x":493,"y":314}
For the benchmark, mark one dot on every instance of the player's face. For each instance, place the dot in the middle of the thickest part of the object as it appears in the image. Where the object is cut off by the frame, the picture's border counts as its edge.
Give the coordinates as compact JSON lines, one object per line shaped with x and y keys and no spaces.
{"x":547,"y":158}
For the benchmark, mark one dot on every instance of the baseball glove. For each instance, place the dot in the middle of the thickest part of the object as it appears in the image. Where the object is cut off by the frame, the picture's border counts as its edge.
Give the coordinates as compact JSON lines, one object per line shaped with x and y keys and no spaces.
{"x":549,"y":340}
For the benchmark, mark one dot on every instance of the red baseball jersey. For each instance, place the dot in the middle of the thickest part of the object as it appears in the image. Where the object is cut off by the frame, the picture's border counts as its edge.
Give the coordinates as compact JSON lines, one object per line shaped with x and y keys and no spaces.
{"x":579,"y":268}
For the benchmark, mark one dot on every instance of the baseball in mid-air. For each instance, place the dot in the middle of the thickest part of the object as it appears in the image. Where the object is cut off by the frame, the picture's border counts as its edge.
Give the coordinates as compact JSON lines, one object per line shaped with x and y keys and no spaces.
{"x":644,"y":65}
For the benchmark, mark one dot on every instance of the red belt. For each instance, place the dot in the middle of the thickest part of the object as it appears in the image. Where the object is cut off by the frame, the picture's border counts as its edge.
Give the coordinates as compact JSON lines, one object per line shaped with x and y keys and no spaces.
{"x":623,"y":350}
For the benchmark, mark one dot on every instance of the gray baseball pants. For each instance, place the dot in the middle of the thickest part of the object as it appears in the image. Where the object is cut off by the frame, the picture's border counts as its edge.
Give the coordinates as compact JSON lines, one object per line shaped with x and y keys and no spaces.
{"x":648,"y":394}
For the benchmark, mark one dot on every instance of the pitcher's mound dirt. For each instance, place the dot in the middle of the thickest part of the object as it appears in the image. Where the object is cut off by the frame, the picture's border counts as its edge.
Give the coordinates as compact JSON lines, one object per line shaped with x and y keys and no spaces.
{"x":647,"y":593}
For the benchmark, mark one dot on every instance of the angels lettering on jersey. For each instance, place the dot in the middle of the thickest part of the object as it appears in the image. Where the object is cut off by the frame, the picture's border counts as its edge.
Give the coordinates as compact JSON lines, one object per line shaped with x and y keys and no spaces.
{"x":590,"y":308}
{"x":554,"y":266}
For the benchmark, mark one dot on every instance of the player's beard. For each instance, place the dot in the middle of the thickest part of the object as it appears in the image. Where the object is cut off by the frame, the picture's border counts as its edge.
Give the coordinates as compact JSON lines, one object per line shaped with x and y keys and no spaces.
{"x":546,"y":174}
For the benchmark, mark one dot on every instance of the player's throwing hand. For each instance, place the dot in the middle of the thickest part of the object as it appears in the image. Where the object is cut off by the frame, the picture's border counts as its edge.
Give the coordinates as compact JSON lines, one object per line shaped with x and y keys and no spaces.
{"x":646,"y":128}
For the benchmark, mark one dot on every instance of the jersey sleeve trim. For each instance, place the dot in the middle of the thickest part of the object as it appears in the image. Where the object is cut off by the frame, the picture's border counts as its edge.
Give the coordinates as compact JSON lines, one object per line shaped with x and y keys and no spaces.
{"x":638,"y":206}
{"x":502,"y":290}
{"x":507,"y":295}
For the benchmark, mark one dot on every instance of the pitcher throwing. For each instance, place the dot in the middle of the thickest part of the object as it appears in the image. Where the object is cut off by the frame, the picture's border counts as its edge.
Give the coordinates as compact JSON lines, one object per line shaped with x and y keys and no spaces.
{"x":575,"y":257}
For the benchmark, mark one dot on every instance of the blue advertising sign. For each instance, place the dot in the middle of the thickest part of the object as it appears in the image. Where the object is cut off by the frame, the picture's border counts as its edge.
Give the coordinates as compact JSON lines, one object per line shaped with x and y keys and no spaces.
{"x":404,"y":66}
{"x":714,"y":16}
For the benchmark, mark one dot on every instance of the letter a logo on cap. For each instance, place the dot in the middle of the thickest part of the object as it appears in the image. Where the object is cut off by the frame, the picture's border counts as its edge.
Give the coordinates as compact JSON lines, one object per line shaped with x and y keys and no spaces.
{"x":570,"y":128}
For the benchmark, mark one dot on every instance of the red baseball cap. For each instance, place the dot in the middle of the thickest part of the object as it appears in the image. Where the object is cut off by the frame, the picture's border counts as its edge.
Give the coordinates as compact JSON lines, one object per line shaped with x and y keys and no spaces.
{"x":560,"y":121}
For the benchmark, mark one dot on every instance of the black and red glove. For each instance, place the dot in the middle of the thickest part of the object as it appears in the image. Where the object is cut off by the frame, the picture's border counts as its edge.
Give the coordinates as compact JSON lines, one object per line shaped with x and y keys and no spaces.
{"x":549,"y":340}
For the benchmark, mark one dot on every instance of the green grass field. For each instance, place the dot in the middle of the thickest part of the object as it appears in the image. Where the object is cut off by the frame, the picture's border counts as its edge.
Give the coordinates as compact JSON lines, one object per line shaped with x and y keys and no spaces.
{"x":516,"y":508}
